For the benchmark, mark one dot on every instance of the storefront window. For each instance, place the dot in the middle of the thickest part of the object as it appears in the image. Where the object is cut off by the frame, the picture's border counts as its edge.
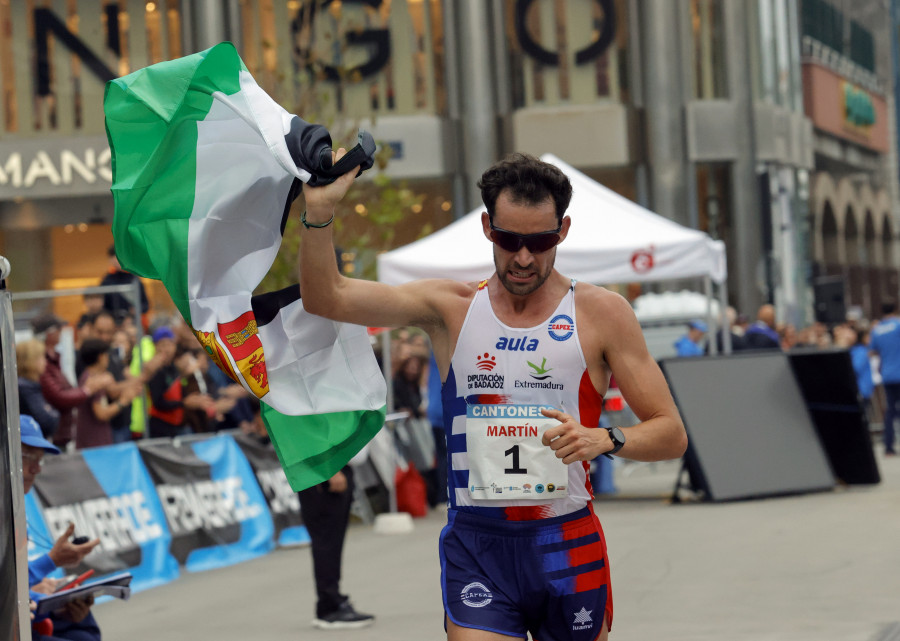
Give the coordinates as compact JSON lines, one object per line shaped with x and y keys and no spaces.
{"x":708,"y":50}
{"x":571,"y":52}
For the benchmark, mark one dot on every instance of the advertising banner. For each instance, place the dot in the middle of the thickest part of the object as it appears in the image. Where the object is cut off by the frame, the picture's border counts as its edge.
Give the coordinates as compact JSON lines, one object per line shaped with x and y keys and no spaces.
{"x":215,"y":509}
{"x":108,"y":494}
{"x":284,"y":505}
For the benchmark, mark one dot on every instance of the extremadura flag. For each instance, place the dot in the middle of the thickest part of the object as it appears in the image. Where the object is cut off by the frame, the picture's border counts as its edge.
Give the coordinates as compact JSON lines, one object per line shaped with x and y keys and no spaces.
{"x":205,"y":168}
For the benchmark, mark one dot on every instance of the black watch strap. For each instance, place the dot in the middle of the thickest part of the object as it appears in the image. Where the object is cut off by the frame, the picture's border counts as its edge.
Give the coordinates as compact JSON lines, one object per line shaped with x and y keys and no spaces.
{"x":618,"y":438}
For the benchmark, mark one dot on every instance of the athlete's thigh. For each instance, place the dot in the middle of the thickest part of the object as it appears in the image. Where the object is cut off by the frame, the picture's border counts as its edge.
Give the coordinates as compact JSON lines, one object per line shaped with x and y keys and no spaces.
{"x":459,"y":633}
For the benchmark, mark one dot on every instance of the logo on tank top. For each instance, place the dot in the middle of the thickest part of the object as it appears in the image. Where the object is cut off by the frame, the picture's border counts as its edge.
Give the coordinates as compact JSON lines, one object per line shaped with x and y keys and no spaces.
{"x":561,"y":327}
{"x":541,"y":376}
{"x":583,"y":619}
{"x":523,"y":344}
{"x":476,"y":595}
{"x":485,"y":363}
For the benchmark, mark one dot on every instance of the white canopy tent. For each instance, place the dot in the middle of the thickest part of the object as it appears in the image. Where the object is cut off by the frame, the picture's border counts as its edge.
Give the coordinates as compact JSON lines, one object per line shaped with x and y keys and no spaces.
{"x":611,"y":240}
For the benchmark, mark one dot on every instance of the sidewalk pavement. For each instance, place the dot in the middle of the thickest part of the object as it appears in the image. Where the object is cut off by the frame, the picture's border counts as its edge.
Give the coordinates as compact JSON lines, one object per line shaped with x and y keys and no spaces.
{"x":814,"y":567}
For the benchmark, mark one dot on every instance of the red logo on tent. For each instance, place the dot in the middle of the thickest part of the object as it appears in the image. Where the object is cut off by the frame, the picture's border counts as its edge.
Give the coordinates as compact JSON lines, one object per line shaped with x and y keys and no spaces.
{"x":486,"y":362}
{"x":642,"y":260}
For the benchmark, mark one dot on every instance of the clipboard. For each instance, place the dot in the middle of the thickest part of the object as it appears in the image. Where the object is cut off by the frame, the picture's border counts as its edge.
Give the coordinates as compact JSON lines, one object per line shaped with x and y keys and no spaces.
{"x":115,"y":585}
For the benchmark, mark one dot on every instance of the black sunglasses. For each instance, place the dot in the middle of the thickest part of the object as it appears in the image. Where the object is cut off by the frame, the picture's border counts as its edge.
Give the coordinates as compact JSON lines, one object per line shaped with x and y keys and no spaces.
{"x":535,"y":243}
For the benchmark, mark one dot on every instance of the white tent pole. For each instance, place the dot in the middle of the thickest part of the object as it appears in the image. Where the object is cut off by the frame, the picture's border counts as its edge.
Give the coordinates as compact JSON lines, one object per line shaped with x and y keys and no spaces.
{"x":726,"y":328}
{"x":711,"y":322}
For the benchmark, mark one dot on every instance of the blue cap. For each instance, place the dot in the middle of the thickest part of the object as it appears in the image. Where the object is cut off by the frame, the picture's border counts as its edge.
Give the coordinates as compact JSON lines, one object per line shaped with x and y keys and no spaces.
{"x":697,"y":324}
{"x":32,"y":435}
{"x":163,"y":332}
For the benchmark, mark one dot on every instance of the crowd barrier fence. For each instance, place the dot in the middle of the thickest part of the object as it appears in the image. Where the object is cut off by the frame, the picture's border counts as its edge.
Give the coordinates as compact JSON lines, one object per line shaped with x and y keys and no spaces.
{"x":164,"y":504}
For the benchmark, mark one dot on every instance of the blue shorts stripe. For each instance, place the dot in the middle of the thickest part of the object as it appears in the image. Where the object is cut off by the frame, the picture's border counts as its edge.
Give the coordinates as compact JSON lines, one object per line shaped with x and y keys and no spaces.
{"x":578,"y":569}
{"x":560,"y":546}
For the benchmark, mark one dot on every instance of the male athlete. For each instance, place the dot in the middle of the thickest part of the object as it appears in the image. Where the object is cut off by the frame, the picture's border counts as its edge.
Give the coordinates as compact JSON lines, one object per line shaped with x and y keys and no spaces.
{"x":525,"y":357}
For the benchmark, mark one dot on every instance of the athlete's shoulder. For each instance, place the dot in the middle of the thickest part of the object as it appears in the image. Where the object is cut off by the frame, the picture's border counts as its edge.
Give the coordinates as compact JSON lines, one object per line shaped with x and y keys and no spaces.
{"x":599,"y":300}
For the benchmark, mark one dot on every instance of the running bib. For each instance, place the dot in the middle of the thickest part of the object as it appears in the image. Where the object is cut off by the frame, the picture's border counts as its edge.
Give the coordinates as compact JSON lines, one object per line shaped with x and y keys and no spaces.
{"x":506,"y":457}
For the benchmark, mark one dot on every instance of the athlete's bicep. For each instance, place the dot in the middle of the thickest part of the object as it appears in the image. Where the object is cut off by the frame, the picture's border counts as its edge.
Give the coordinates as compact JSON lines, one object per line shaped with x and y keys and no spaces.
{"x":636,"y":372}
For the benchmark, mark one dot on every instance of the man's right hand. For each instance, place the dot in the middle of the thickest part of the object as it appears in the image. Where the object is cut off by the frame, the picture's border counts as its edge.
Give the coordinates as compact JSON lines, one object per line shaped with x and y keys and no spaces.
{"x":47,"y":585}
{"x":320,"y":201}
{"x":64,"y":553}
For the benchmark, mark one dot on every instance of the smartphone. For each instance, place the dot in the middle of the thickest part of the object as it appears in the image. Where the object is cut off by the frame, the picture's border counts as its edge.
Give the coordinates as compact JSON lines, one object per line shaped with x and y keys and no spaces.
{"x":78,"y":580}
{"x":65,"y":581}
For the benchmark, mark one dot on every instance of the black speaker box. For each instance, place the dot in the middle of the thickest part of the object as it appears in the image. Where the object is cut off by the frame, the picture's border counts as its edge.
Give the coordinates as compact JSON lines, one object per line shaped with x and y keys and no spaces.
{"x":830,"y":304}
{"x":828,"y":384}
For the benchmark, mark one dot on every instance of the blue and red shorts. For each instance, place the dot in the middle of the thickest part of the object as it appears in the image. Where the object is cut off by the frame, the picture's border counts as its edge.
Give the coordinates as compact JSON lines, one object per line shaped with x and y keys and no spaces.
{"x":548,"y":577}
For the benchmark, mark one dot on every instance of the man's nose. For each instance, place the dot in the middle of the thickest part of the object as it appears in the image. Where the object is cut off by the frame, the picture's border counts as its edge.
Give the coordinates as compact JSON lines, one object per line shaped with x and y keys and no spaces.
{"x":524,"y":257}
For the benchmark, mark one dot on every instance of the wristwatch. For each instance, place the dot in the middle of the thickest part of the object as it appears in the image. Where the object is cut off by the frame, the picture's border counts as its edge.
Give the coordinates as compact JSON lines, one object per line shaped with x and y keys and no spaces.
{"x":617,"y":436}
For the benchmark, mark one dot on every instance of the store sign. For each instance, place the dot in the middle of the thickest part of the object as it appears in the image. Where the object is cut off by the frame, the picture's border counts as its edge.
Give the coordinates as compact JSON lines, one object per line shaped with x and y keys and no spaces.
{"x":51,"y":167}
{"x":591,"y":51}
{"x":377,"y":42}
{"x":47,"y":23}
{"x":859,"y":110}
{"x":844,"y":109}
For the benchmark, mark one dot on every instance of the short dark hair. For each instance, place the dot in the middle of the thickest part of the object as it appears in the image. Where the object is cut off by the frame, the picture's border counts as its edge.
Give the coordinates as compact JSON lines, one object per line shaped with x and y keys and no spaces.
{"x":101,"y":313}
{"x":529,"y":180}
{"x":91,"y":350}
{"x":888,"y":308}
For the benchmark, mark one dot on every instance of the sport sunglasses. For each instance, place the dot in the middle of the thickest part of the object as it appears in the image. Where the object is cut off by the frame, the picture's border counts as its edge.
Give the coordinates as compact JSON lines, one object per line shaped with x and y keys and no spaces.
{"x":535,"y":243}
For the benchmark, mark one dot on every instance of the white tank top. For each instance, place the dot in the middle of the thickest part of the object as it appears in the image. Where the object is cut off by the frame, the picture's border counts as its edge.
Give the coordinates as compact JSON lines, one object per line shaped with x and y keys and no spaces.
{"x":496,"y":364}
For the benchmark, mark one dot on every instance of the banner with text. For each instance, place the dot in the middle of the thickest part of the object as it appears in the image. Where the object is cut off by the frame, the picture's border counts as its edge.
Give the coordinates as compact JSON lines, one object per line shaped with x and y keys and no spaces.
{"x":284,"y":504}
{"x":216,"y":512}
{"x":108,"y":494}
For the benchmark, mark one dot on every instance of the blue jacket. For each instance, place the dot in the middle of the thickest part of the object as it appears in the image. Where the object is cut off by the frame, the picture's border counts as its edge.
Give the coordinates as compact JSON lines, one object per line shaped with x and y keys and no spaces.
{"x":859,"y":356}
{"x":684,"y":346}
{"x":37,"y":570}
{"x":886,"y":341}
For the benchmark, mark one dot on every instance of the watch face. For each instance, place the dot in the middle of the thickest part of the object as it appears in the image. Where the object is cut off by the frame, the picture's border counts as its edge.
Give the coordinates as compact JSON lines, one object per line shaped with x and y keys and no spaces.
{"x":618,"y":436}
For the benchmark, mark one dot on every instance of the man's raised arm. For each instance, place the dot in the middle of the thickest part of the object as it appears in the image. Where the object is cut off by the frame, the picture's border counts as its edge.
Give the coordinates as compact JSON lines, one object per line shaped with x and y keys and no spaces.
{"x":326,"y":292}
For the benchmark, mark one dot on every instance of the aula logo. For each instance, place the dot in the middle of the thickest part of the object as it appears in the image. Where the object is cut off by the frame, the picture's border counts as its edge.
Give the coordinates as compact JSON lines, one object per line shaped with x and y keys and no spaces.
{"x":561,"y":327}
{"x":523,"y":344}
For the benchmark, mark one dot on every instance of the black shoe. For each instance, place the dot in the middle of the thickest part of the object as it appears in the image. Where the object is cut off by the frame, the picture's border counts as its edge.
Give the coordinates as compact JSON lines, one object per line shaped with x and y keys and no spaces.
{"x":344,"y":618}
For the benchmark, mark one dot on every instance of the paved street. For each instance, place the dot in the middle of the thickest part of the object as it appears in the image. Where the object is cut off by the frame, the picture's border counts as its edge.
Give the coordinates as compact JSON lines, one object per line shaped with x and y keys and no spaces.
{"x":814,"y":567}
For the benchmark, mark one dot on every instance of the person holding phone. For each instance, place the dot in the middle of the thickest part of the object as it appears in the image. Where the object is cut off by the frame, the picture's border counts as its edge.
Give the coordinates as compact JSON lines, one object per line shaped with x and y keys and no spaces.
{"x":74,"y":622}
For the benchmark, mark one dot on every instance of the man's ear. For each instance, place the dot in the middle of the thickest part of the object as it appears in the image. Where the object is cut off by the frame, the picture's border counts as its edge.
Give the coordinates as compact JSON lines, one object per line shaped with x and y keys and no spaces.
{"x":486,"y":224}
{"x":564,"y":228}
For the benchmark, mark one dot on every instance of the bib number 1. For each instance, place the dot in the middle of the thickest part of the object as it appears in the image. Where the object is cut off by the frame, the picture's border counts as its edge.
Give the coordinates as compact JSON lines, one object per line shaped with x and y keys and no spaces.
{"x":507,"y":459}
{"x":515,"y":469}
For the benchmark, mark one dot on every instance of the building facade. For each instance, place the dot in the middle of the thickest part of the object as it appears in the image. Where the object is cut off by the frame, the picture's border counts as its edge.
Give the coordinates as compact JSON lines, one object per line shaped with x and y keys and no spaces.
{"x":714,"y":113}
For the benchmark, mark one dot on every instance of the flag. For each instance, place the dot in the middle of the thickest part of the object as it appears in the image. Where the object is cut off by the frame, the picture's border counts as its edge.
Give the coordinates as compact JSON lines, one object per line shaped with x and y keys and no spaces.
{"x":205,"y":168}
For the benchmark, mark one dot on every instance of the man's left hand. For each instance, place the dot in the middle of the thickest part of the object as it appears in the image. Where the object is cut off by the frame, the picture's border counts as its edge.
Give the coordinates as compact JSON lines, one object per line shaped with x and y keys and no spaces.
{"x":77,"y":610}
{"x":338,"y":483}
{"x":572,"y":441}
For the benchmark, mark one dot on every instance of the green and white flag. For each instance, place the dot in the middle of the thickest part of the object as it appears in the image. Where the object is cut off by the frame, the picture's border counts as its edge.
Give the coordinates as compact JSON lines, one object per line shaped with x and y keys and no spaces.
{"x":205,"y":168}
